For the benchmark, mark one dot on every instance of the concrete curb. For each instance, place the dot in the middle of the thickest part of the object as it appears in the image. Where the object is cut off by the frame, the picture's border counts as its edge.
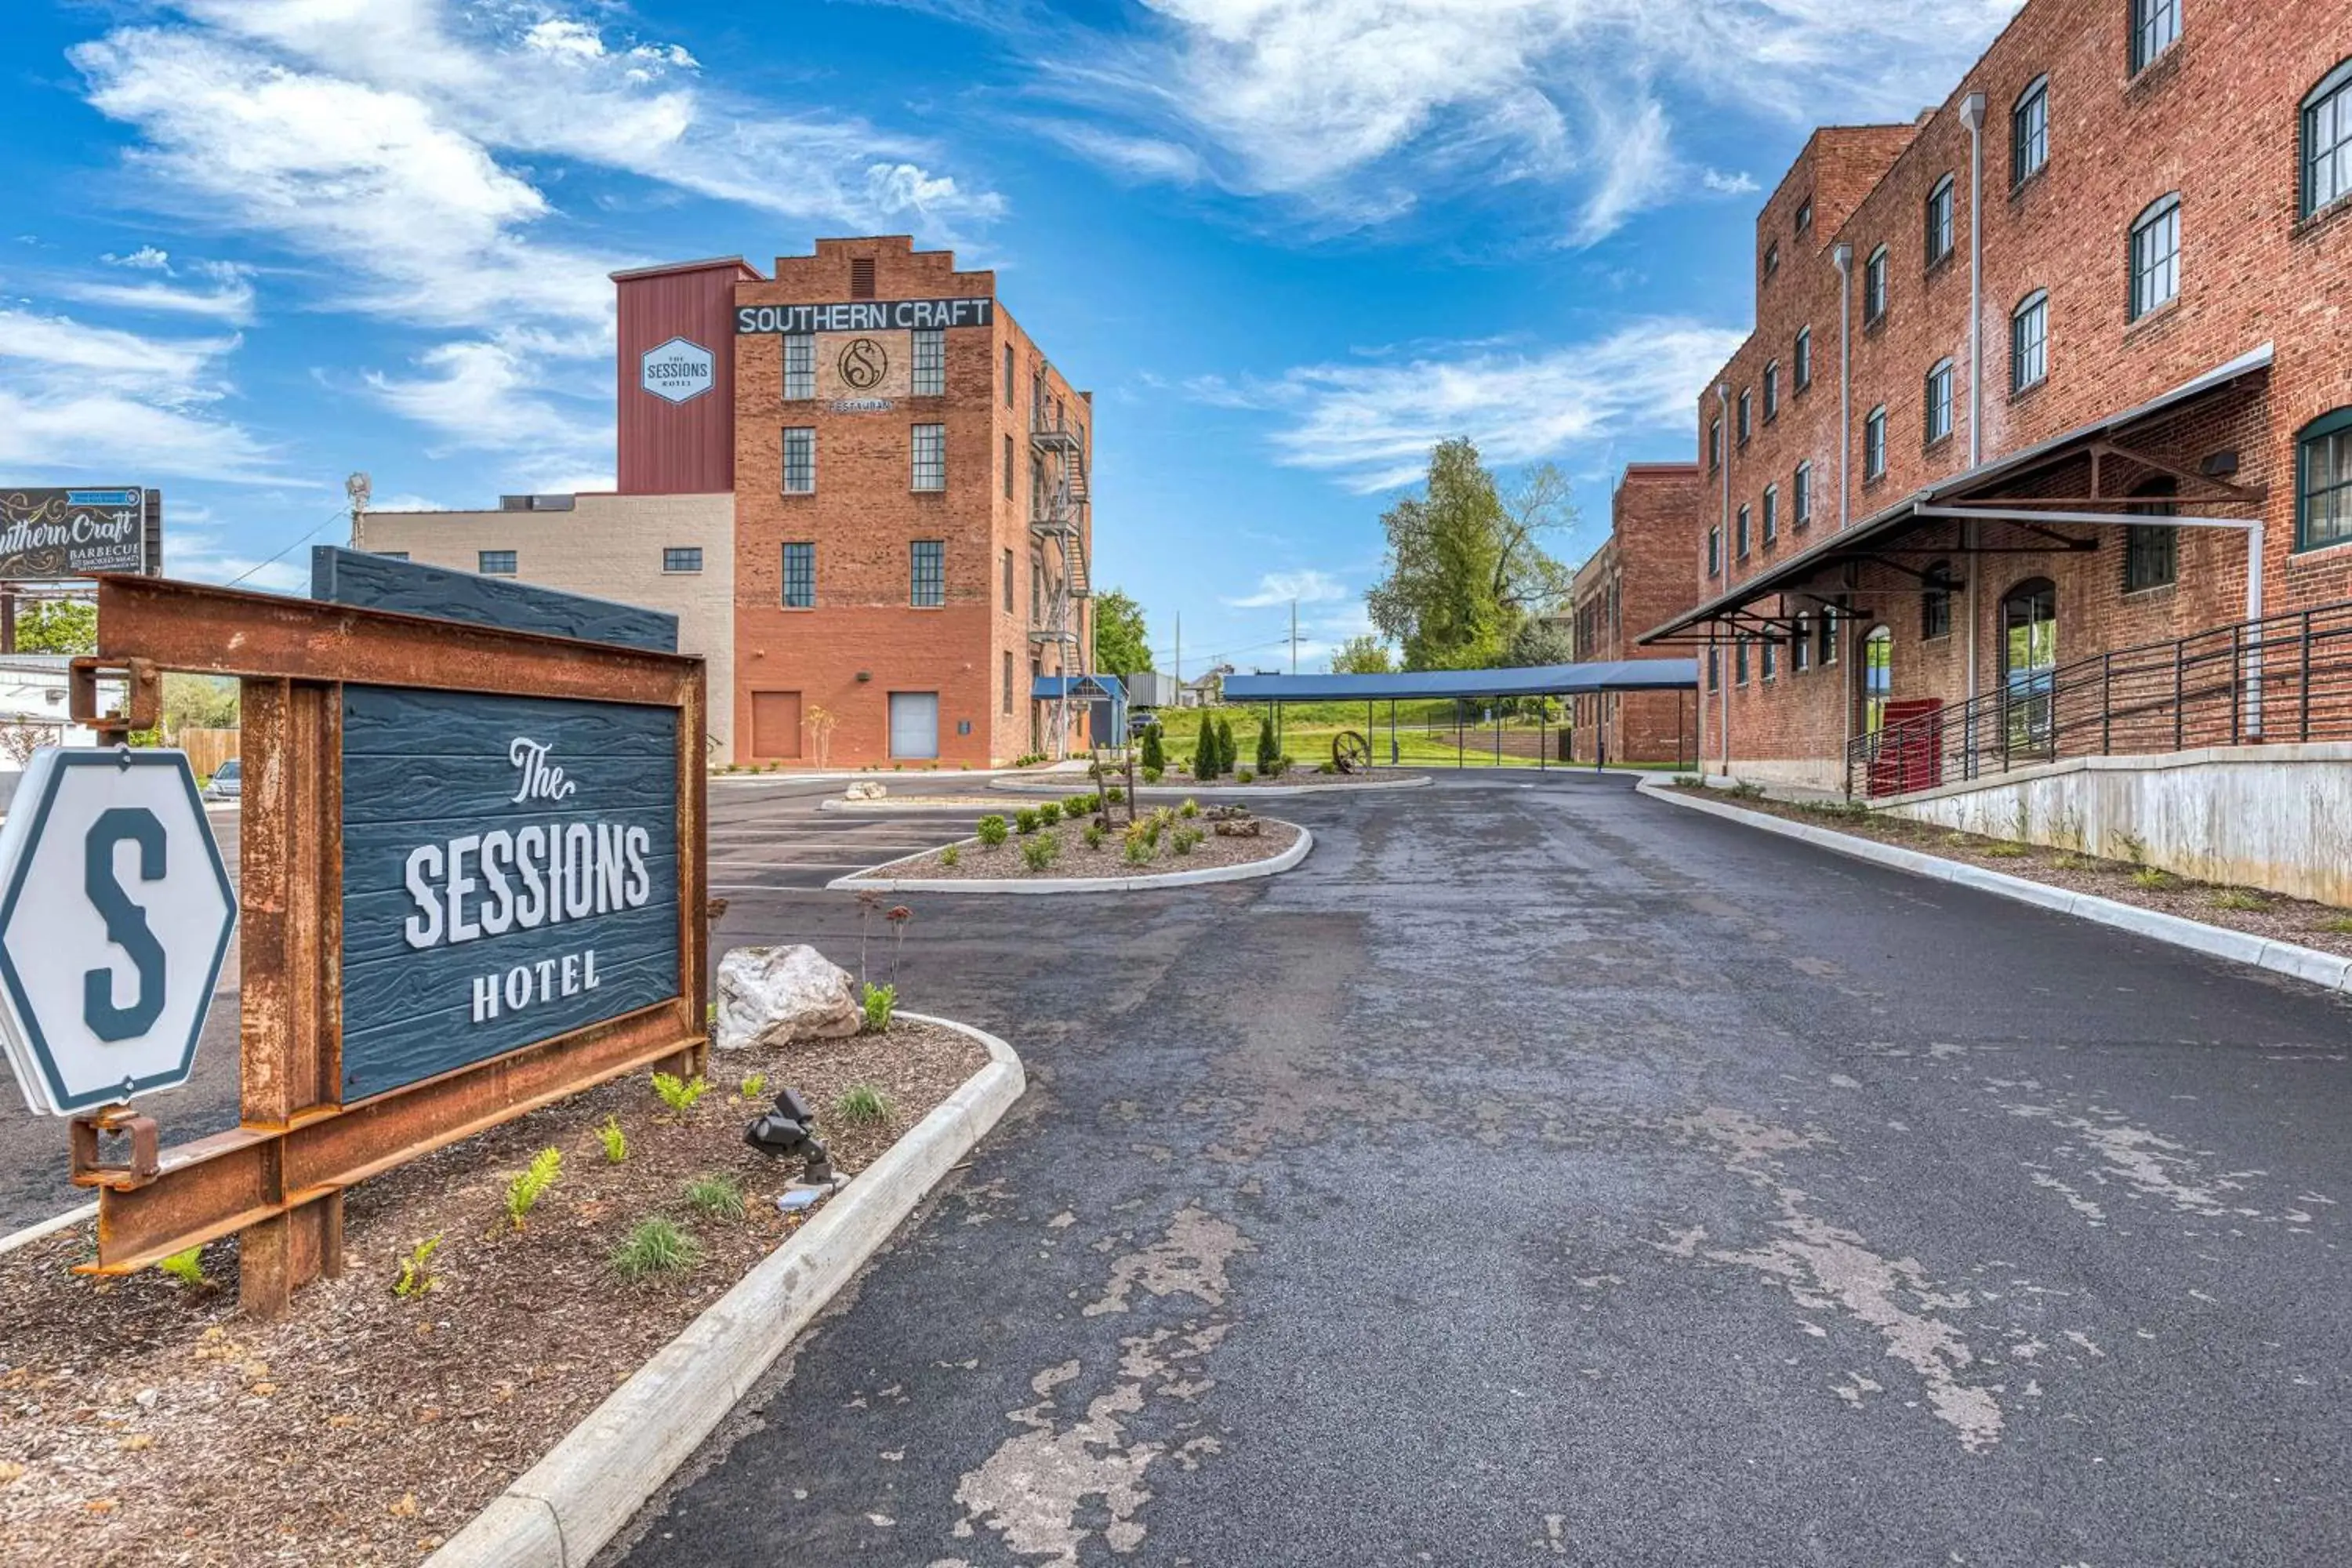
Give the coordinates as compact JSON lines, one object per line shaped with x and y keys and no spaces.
{"x":2306,"y":963}
{"x":48,"y":1227}
{"x":1215,"y":792}
{"x":888,"y":807}
{"x":560,"y":1512}
{"x":1255,"y":868}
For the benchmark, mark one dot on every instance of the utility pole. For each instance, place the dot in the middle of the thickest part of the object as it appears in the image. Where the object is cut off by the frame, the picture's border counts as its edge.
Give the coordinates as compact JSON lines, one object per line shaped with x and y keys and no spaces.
{"x":1179,"y":650}
{"x":1294,"y":637}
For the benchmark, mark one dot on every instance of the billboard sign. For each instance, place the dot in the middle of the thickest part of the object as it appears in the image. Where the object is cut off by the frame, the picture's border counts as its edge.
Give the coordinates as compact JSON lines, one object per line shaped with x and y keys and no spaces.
{"x":677,"y":371}
{"x":865,"y":316}
{"x":47,"y":535}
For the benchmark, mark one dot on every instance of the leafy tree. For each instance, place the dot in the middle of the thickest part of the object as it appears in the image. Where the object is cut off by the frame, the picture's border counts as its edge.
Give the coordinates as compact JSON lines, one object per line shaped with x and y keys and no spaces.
{"x":199,"y":702}
{"x":56,"y":626}
{"x":1466,"y":561}
{"x":1269,"y":750}
{"x":1366,"y":655}
{"x":1121,"y":644}
{"x":1539,"y":641}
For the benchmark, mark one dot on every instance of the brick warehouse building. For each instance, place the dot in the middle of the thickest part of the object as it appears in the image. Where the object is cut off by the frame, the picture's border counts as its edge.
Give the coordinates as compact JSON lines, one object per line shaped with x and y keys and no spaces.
{"x":1639,"y":576}
{"x":2147,"y":202}
{"x":904,"y":520}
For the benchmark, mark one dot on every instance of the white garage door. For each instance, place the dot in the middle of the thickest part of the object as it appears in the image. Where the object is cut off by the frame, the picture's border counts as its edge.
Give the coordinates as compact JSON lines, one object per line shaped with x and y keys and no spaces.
{"x":915,"y":724}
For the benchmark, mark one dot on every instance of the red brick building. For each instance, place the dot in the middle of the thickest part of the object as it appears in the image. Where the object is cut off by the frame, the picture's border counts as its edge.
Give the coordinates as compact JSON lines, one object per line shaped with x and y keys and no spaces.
{"x":911,"y":515}
{"x":1641,"y":575}
{"x":2109,"y":278}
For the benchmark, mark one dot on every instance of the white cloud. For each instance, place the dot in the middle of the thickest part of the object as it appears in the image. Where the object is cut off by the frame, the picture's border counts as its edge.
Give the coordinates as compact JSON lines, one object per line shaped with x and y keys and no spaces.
{"x":1356,"y":110}
{"x":147,"y":257}
{"x":1371,"y":426}
{"x":229,"y":298}
{"x":1307,"y":587}
{"x":1734,"y":185}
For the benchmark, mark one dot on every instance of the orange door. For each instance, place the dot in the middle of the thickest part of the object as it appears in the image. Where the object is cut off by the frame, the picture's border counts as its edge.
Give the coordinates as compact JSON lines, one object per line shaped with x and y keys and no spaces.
{"x":776,"y":725}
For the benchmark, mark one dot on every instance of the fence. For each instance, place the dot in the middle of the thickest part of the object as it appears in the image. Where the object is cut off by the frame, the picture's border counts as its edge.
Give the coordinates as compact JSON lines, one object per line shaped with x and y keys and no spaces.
{"x":207,"y":749}
{"x":2285,"y":678}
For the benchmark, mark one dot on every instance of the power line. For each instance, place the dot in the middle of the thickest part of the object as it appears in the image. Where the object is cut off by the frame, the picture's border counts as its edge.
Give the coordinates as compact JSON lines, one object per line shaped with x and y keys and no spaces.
{"x":342,"y":512}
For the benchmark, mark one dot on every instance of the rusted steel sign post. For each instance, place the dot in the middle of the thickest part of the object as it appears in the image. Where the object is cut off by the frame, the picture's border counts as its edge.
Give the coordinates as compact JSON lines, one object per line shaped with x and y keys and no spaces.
{"x":472,"y":884}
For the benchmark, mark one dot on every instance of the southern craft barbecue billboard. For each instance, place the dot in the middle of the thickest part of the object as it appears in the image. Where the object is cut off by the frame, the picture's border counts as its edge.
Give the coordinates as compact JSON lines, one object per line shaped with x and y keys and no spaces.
{"x":47,"y":535}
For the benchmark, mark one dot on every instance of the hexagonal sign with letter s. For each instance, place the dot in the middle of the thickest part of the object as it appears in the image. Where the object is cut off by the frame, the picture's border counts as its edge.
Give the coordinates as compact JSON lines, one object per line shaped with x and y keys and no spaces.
{"x":115,"y":915}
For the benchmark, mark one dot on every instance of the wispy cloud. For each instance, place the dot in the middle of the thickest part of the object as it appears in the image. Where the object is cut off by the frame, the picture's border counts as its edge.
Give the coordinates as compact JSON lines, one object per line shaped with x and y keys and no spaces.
{"x":228,"y":297}
{"x":1371,"y":426}
{"x":1307,"y":587}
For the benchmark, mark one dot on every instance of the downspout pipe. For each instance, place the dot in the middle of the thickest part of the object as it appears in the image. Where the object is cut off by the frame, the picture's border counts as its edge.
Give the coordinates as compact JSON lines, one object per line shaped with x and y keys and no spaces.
{"x":1723,"y":554}
{"x":1972,"y":113}
{"x":1841,"y":257}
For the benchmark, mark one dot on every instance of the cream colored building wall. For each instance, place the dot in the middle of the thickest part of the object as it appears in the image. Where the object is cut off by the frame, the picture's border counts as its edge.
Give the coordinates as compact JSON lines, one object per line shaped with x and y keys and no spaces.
{"x":608,"y":546}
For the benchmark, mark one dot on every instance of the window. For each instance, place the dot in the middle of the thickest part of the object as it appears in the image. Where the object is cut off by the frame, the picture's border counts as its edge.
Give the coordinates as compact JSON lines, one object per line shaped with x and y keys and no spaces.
{"x":930,"y":367}
{"x":1739,"y":537}
{"x":2151,"y":551}
{"x":1739,"y":660}
{"x":2327,"y":140}
{"x":928,"y":574}
{"x":1008,"y":376}
{"x":2322,"y":486}
{"x":1008,"y":672}
{"x":2156,"y":256}
{"x":1939,"y":221}
{"x":800,"y":365}
{"x":1008,"y":582}
{"x":799,"y":461}
{"x":1801,"y":645}
{"x":1772,"y":259}
{"x":1801,"y":495}
{"x":1805,"y":216}
{"x":1772,"y":392}
{"x":1936,"y":602}
{"x":1874,"y":286}
{"x":2029,"y":341}
{"x":1771,"y":513}
{"x":1747,"y":416}
{"x":930,"y":446}
{"x":1715,"y":550}
{"x":675,"y":559}
{"x":799,"y":575}
{"x":1036,"y":585}
{"x":861,"y":278}
{"x":1713,"y":669}
{"x":2155,"y":25}
{"x":1008,"y":468}
{"x":1873,"y":443}
{"x":1800,"y":364}
{"x":494,"y":563}
{"x":2028,"y":132}
{"x":1939,"y":409}
{"x":1771,"y":650}
{"x":1715,"y":442}
{"x":1829,"y":635}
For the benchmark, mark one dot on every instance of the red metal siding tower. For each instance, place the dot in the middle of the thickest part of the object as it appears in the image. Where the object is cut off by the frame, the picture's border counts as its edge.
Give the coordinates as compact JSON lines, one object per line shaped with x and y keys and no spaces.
{"x":676,"y":370}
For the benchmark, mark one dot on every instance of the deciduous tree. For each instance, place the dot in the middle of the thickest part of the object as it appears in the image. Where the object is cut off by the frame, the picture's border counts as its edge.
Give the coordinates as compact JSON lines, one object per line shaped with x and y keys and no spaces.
{"x":1467,"y":562}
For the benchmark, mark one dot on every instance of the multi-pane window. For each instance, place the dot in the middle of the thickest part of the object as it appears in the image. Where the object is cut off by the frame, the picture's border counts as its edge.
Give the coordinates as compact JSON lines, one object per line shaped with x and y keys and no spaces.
{"x":1771,"y":645}
{"x":1801,"y":495}
{"x":1715,"y":441}
{"x":927,"y":586}
{"x":1739,"y":536}
{"x":1713,"y":669}
{"x":1829,"y":636}
{"x":930,"y":370}
{"x":1008,"y":376}
{"x":1008,"y":680}
{"x":675,"y":558}
{"x":930,"y":449}
{"x":2029,"y":341}
{"x":2322,"y":483}
{"x":2155,"y":25}
{"x":1801,"y":362}
{"x":1874,"y":443}
{"x":1771,"y":513}
{"x":2156,"y":256}
{"x":1873,"y":285}
{"x":1008,"y":468}
{"x":1714,"y":551}
{"x":799,"y":575}
{"x":1008,"y":582}
{"x":1740,"y":661}
{"x":799,"y":461}
{"x":1801,"y":644}
{"x":2327,"y":140}
{"x":1936,"y":603}
{"x":2028,"y":132}
{"x":1939,"y":221}
{"x":1747,"y":416}
{"x":800,"y":365}
{"x":2151,"y":551}
{"x":494,"y":563}
{"x":1772,"y":392}
{"x":1938,"y":407}
{"x":1772,"y":259}
{"x":1805,"y":216}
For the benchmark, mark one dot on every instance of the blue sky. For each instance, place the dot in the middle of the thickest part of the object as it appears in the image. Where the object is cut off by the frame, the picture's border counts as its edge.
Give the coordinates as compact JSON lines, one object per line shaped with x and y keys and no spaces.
{"x":251,"y":246}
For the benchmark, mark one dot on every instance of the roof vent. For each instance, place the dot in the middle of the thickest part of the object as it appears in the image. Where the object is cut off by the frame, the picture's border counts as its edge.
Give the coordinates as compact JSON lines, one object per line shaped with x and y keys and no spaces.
{"x":861,"y":278}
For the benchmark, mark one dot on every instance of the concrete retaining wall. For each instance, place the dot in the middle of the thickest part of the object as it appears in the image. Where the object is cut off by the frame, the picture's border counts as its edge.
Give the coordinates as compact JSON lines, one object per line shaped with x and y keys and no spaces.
{"x":2278,"y":817}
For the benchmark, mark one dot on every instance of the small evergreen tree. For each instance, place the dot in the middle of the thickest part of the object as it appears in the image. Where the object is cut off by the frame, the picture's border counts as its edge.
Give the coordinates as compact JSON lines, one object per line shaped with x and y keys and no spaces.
{"x":1204,"y":752}
{"x":1269,"y":751}
{"x":1227,"y":755}
{"x":1153,"y":757}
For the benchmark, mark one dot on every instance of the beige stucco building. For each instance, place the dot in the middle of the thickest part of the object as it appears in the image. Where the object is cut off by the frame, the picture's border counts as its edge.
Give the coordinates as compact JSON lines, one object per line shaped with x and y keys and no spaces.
{"x":672,"y":552}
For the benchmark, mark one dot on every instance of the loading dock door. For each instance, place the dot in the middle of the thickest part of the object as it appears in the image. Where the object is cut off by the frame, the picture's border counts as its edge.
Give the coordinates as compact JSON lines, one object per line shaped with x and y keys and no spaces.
{"x":915,"y":725}
{"x":776,"y":724}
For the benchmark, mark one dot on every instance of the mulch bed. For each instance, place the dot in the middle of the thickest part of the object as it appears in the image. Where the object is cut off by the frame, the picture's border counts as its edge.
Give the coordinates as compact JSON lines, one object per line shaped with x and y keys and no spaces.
{"x":1076,"y":860}
{"x":2297,"y":921}
{"x":142,"y":1421}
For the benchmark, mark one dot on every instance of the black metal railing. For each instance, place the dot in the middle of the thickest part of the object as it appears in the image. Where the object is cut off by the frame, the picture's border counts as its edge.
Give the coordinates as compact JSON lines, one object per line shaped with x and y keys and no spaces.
{"x":2284,"y":678}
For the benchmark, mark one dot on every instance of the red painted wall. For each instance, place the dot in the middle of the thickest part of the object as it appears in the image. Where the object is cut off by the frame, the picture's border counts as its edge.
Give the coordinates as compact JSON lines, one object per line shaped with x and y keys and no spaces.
{"x":682,"y":448}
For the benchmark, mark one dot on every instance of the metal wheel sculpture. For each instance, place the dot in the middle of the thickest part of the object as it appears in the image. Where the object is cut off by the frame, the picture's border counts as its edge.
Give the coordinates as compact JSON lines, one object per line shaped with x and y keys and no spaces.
{"x":1350,"y":752}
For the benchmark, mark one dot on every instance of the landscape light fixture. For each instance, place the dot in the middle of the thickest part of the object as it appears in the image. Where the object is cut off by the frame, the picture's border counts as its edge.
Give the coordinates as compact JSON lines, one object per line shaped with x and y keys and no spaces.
{"x":791,"y":1130}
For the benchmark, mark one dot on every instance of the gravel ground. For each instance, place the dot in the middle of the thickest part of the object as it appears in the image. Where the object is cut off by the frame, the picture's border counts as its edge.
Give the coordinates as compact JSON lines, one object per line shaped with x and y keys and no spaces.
{"x":1075,"y":859}
{"x":2273,"y":915}
{"x":142,"y":1421}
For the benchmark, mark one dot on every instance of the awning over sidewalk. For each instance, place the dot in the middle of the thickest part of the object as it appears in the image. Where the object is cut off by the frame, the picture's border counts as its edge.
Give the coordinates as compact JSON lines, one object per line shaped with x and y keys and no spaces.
{"x":1875,"y":537}
{"x":1533,"y":680}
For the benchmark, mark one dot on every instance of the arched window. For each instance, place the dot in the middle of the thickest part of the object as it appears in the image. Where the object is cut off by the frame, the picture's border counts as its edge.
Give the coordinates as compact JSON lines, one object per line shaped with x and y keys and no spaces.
{"x":1873,"y":285}
{"x":1877,"y":678}
{"x":1936,"y":411}
{"x":2151,"y":551}
{"x":1874,"y":443}
{"x":2156,"y":255}
{"x":2327,"y":140}
{"x":1936,"y":602}
{"x":2029,"y":341}
{"x":1939,"y":221}
{"x":2323,"y":482}
{"x":2028,"y":132}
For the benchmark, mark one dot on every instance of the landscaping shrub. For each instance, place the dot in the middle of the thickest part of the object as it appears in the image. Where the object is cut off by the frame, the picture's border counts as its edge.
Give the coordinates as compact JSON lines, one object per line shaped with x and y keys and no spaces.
{"x":1027,"y":820}
{"x":863,"y":1105}
{"x":525,"y":1191}
{"x":1050,"y":813}
{"x":1244,"y":776}
{"x":1154,"y":759}
{"x":1326,"y":767}
{"x":1151,"y":775}
{"x":1225,"y":752}
{"x":1038,"y":853}
{"x":1077,"y":806}
{"x":950,"y":855}
{"x":1189,"y":810}
{"x":616,"y":1142}
{"x":714,"y":1198}
{"x":1139,"y":849}
{"x":677,"y":1095}
{"x":1268,"y":749}
{"x":187,"y":1267}
{"x":992,"y":831}
{"x":1114,"y":794}
{"x":654,"y":1246}
{"x":1095,"y":836}
{"x":416,"y":1270}
{"x":881,"y":1001}
{"x":1185,"y":840}
{"x":754,"y":1086}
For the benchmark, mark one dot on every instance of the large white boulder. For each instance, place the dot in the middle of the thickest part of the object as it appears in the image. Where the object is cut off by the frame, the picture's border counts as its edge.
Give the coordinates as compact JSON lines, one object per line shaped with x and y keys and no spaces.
{"x":865,"y":789}
{"x":774,"y":996}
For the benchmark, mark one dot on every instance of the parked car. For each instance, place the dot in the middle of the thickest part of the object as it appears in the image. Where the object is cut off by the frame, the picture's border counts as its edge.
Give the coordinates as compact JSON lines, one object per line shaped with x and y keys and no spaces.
{"x":228,"y":783}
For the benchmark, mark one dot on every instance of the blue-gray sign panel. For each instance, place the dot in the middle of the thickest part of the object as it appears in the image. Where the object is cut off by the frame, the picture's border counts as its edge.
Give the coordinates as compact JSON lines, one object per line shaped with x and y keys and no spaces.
{"x":509,"y":873}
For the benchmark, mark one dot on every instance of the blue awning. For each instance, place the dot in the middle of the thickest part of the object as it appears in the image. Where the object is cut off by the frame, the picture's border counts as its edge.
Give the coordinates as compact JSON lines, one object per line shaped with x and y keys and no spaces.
{"x":1079,"y":687}
{"x":1535,"y":681}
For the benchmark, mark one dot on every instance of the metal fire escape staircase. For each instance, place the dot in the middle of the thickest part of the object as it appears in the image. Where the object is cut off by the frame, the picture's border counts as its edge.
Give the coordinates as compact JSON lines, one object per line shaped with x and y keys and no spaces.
{"x":1058,"y":515}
